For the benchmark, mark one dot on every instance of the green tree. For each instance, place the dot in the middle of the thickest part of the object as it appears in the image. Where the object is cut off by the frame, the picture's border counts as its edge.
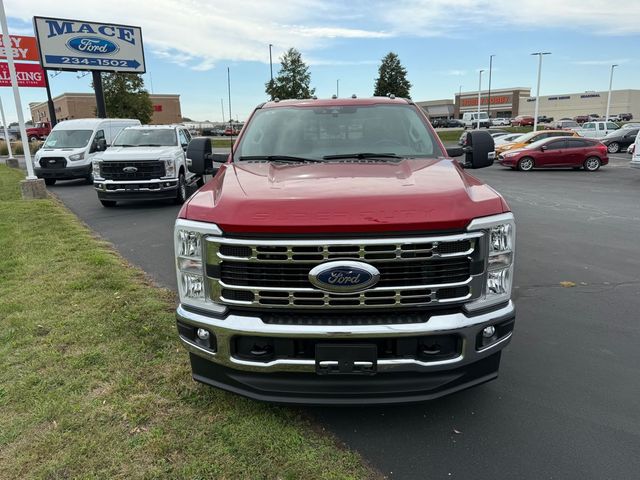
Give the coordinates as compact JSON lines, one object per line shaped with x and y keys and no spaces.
{"x":126,"y":97}
{"x":293,"y":79}
{"x":392,"y":78}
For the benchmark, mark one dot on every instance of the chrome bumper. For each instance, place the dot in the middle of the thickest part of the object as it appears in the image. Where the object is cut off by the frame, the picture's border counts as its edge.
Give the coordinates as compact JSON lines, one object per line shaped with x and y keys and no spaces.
{"x":467,"y":327}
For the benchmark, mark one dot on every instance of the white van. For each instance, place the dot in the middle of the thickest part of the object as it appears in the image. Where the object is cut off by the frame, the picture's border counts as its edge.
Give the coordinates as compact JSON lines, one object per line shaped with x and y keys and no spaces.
{"x":69,"y":149}
{"x":470,"y":119}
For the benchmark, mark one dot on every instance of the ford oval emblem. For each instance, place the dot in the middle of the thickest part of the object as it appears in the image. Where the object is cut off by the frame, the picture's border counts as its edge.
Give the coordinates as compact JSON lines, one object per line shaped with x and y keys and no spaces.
{"x":129,"y":169}
{"x":92,"y":45}
{"x":344,"y":276}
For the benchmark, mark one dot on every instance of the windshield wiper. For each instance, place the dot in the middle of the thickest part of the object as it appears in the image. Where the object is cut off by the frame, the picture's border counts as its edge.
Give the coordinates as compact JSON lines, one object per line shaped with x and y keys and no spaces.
{"x":361,"y":156}
{"x":153,"y":145}
{"x":280,"y":158}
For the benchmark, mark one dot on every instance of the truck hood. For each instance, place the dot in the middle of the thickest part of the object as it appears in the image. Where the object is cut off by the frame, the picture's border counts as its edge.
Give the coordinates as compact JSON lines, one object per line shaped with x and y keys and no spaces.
{"x":137,"y":153}
{"x":343,"y":197}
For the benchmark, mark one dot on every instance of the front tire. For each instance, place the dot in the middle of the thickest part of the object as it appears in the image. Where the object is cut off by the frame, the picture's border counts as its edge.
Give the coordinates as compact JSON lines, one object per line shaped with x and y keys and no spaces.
{"x":181,"y":196}
{"x":108,"y":203}
{"x":592,"y":164}
{"x":526,"y":164}
{"x":33,"y":139}
{"x":49,"y":181}
{"x":613,"y":147}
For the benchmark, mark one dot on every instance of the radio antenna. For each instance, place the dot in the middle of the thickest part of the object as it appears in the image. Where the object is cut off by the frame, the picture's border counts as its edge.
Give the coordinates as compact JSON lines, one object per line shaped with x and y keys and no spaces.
{"x":230,"y":118}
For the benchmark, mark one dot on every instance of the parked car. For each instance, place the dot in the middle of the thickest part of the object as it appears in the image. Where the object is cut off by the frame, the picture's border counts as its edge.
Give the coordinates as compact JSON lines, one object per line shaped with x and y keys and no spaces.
{"x":557,"y":153}
{"x":501,"y":121}
{"x":593,"y":117}
{"x":563,"y":125}
{"x":472,"y":119}
{"x":453,"y":123}
{"x":532,"y":137}
{"x":38,"y":131}
{"x":498,"y":135}
{"x":581,"y":119}
{"x":544,"y":119}
{"x":631,"y":148}
{"x":522,"y":121}
{"x":635,"y":153}
{"x":631,"y":125}
{"x":625,"y":117}
{"x":463,"y":136}
{"x":292,"y":284}
{"x":596,"y":129}
{"x":510,"y":138}
{"x":620,"y":139}
{"x":70,"y":147}
{"x":145,"y":162}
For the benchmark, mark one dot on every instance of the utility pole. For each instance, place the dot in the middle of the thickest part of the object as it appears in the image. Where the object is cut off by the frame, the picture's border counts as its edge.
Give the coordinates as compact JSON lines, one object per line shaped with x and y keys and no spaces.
{"x":338,"y":88}
{"x":271,"y":67}
{"x":606,"y":117}
{"x":535,"y":115}
{"x":479,"y":90}
{"x":489,"y":92}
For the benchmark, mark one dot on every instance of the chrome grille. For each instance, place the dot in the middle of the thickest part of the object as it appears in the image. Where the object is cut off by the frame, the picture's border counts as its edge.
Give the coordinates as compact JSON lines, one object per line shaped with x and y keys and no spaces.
{"x":414,"y":271}
{"x":144,"y":170}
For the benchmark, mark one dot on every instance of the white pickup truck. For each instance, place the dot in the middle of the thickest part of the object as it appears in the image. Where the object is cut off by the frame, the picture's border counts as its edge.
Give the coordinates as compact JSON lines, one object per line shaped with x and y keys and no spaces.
{"x":144,"y":163}
{"x":596,"y":129}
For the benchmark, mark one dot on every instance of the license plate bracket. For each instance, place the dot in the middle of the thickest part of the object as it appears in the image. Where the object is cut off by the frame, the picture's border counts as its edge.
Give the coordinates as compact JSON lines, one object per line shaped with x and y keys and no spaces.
{"x":336,"y":359}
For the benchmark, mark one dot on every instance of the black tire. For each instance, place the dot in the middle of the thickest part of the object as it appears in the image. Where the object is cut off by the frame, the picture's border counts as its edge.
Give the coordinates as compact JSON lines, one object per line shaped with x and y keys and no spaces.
{"x":49,"y":181}
{"x":33,"y":139}
{"x":526,"y":164}
{"x":89,"y":178}
{"x":592,"y":164}
{"x":108,"y":203}
{"x":613,"y":147}
{"x":181,"y":195}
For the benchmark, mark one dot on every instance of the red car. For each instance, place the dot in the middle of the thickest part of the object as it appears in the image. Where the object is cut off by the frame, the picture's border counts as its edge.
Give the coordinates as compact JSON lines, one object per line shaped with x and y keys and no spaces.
{"x":556,"y":152}
{"x":522,"y":121}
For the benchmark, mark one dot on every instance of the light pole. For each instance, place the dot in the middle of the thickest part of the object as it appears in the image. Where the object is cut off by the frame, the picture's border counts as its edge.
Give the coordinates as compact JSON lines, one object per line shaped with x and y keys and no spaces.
{"x":271,"y":61}
{"x":489,"y":92}
{"x":535,"y":115}
{"x":479,"y":90}
{"x":338,"y":88}
{"x":606,"y":117}
{"x":459,"y":100}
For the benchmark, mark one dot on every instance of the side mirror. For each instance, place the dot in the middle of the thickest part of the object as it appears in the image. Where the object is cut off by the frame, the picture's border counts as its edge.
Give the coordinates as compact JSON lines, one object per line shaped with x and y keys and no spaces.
{"x":200,"y":159}
{"x":455,"y":151}
{"x":543,"y":147}
{"x":480,"y":149}
{"x":100,"y":145}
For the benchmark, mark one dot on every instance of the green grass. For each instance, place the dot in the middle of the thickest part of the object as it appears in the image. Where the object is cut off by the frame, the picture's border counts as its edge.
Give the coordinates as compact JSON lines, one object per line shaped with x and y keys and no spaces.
{"x":221,"y":142}
{"x":94,"y":383}
{"x":449,"y":136}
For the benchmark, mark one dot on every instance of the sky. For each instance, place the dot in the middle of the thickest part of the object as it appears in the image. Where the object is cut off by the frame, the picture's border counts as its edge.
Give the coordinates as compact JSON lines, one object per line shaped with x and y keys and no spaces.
{"x":189,"y":44}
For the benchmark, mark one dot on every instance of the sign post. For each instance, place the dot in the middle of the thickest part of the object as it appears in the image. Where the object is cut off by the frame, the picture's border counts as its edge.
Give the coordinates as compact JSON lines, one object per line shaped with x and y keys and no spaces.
{"x":32,"y":187}
{"x":6,"y":134}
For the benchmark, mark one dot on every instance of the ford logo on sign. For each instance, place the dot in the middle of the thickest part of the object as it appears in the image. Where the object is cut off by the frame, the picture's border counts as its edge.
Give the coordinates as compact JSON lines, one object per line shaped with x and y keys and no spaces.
{"x":92,"y":45}
{"x":344,"y":276}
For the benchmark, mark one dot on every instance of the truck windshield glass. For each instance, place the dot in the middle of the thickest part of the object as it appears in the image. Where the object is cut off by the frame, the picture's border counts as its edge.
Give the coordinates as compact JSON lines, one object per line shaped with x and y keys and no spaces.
{"x":140,"y":137}
{"x":68,"y":139}
{"x":321,"y":132}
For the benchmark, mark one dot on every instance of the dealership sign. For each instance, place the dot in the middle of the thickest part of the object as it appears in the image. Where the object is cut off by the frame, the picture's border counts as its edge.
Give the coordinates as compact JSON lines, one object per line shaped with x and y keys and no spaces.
{"x":23,"y":48}
{"x":29,"y":75}
{"x":79,"y":45}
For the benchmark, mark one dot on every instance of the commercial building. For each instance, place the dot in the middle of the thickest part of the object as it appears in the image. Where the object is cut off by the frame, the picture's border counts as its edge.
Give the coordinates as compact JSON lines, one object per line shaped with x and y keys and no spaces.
{"x":505,"y":102}
{"x":571,"y":105}
{"x":166,"y":108}
{"x":438,"y":108}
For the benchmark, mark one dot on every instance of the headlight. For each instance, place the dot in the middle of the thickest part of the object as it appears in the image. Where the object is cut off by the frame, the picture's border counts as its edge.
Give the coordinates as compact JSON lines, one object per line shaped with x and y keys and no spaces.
{"x":95,"y":168}
{"x":77,"y":156}
{"x":501,"y":236}
{"x":189,"y":247}
{"x":169,"y":167}
{"x":510,"y":154}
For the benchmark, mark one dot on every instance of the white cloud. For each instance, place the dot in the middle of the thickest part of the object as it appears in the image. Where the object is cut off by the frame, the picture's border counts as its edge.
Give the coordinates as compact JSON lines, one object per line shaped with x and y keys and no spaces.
{"x":618,"y":61}
{"x":454,"y":73}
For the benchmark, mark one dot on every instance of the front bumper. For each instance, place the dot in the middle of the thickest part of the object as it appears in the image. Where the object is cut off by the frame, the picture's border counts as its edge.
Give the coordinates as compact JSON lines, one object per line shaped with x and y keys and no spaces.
{"x":66,"y":173}
{"x":634,"y":164}
{"x":161,"y":189}
{"x":397,"y":380}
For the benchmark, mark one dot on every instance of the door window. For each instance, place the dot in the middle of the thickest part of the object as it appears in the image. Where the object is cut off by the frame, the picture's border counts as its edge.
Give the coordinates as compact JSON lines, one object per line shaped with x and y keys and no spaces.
{"x":589,"y":126}
{"x":557,"y":145}
{"x":576,"y":143}
{"x":97,"y":139}
{"x":184,"y":141}
{"x":612,"y":126}
{"x":601,"y":126}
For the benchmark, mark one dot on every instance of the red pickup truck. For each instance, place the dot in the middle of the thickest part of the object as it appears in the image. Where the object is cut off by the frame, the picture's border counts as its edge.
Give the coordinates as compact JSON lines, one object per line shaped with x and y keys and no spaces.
{"x":39,"y":131}
{"x":341,"y":256}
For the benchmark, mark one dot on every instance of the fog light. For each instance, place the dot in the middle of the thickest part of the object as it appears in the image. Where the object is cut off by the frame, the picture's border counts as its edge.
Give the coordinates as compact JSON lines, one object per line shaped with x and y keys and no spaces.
{"x":488,"y":332}
{"x":203,"y":334}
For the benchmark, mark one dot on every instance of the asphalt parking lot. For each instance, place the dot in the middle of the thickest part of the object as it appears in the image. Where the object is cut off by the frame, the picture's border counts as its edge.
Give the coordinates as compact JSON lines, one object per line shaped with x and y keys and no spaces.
{"x":566,"y":402}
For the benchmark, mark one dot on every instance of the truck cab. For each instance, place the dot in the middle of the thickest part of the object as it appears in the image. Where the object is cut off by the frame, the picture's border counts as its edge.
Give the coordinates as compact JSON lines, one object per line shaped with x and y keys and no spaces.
{"x":38,"y":131}
{"x":340,"y":255}
{"x":69,"y":149}
{"x":145,"y":162}
{"x":598,"y":129}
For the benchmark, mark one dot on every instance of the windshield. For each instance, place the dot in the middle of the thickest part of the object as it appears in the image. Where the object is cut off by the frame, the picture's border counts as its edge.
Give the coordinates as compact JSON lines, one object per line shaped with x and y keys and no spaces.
{"x":315,"y":133}
{"x":68,"y":139}
{"x":146,"y":137}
